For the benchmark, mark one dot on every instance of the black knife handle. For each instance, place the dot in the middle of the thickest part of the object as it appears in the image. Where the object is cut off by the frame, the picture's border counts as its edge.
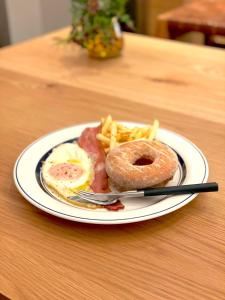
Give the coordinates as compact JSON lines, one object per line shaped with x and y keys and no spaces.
{"x":182,"y":189}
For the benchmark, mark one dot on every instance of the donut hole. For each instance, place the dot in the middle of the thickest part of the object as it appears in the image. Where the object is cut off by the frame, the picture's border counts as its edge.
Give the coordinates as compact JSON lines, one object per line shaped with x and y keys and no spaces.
{"x":143,"y":161}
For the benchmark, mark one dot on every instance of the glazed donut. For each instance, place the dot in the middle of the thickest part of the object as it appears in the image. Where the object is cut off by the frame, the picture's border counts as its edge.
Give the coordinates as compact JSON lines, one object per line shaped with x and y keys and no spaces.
{"x":140,"y":164}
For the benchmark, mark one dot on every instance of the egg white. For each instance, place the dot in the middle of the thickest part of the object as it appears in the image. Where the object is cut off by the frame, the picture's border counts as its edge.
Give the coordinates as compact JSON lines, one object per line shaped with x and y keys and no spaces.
{"x":68,"y":153}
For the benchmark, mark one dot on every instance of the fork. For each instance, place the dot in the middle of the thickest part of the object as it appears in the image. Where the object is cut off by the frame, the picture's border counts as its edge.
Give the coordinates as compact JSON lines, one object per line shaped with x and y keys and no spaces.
{"x":110,"y":198}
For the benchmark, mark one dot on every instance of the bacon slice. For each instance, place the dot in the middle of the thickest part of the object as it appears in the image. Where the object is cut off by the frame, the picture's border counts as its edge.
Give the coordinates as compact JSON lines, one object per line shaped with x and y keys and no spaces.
{"x":115,"y":206}
{"x":92,"y":146}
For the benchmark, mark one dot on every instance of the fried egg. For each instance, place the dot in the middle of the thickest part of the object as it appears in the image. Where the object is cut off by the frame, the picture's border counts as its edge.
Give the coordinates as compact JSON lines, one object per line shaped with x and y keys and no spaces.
{"x":67,"y":170}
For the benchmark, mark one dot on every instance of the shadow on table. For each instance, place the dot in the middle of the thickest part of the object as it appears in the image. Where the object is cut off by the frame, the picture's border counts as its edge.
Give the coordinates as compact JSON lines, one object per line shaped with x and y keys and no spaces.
{"x":88,"y":66}
{"x":112,"y":233}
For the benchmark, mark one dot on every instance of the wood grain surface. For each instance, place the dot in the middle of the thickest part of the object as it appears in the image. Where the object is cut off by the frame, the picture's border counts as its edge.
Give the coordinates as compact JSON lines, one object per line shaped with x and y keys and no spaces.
{"x":177,"y":256}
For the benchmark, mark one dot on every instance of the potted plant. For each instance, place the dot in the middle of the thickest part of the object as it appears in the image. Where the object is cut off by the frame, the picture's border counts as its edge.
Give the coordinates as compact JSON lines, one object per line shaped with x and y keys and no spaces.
{"x":96,"y":26}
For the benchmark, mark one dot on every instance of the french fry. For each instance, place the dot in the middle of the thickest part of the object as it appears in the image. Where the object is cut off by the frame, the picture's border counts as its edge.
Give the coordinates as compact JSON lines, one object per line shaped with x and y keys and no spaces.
{"x":113,"y":129}
{"x":153,"y":130}
{"x":133,"y":133}
{"x":106,"y":125}
{"x":145,"y":130}
{"x":112,"y":143}
{"x":139,"y":133}
{"x":123,"y":137}
{"x":125,"y":131}
{"x":103,"y":139}
{"x":147,"y":133}
{"x":114,"y":133}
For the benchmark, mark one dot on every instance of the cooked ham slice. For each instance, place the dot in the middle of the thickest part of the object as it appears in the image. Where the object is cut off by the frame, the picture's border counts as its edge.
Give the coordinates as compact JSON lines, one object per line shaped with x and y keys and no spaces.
{"x":92,"y":146}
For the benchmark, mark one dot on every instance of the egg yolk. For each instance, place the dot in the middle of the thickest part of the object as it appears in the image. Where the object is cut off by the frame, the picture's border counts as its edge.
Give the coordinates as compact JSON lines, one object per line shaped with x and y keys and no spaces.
{"x":66,"y":171}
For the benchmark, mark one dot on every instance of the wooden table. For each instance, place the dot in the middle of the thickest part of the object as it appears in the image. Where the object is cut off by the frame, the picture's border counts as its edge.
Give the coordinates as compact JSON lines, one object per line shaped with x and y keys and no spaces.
{"x":44,"y":87}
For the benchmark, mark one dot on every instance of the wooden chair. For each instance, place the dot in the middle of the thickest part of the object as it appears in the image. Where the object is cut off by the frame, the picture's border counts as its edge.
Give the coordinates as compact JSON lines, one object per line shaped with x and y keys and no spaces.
{"x":205,"y":16}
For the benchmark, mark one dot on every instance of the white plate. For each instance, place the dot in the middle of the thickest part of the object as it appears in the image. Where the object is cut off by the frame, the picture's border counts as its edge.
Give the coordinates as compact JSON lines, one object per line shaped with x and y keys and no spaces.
{"x":193,"y":168}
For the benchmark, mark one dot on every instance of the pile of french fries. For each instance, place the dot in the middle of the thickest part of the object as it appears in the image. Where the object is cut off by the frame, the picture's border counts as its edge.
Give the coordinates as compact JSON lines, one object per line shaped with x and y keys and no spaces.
{"x":113,"y":133}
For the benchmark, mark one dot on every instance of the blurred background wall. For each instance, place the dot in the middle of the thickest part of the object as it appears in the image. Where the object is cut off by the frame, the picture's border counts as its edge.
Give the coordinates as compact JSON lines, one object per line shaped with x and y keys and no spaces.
{"x":23,"y":19}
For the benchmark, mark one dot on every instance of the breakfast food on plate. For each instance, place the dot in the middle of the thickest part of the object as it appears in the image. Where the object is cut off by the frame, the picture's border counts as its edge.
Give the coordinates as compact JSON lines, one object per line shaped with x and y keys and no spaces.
{"x":112,"y":133}
{"x":91,"y":145}
{"x":140,"y":164}
{"x":109,"y":156}
{"x":67,"y":169}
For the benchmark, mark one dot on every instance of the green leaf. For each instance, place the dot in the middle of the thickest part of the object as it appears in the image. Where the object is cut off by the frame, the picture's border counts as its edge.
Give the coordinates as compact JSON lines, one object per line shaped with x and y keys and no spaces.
{"x":99,"y":21}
